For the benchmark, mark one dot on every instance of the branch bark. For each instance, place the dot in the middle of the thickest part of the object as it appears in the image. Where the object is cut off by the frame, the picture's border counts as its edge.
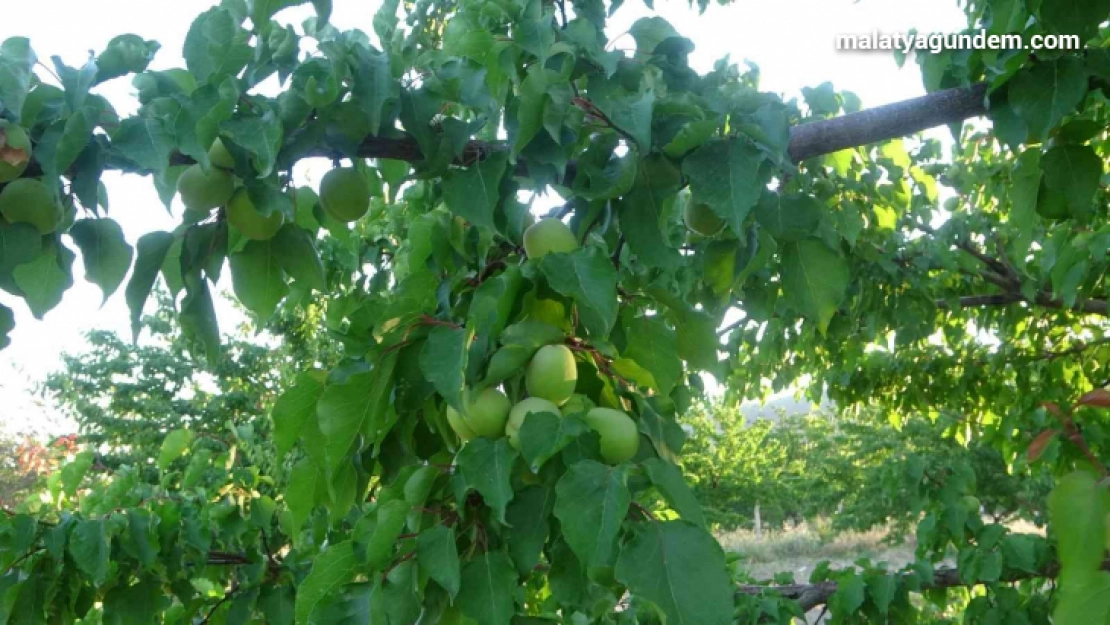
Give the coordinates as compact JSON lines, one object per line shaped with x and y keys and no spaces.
{"x":810,"y":596}
{"x":1089,"y":306}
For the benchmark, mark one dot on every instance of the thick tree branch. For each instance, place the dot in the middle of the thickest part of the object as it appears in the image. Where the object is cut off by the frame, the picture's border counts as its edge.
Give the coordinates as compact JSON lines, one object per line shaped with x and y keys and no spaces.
{"x":809,"y":596}
{"x":887,"y":122}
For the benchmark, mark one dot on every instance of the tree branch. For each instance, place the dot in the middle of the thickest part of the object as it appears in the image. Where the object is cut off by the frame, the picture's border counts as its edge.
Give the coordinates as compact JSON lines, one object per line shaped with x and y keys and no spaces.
{"x":809,"y":596}
{"x":1043,"y":300}
{"x":887,"y":122}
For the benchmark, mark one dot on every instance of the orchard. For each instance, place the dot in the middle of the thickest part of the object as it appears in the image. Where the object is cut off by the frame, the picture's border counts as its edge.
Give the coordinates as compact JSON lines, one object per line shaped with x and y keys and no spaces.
{"x":498,"y":439}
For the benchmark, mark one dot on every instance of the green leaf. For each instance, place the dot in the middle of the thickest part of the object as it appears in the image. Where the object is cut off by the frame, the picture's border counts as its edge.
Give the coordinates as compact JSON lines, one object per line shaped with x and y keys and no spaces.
{"x":588,"y":277}
{"x":174,"y":446}
{"x":359,"y":404}
{"x":591,"y":501}
{"x":543,"y":435}
{"x":697,"y":340}
{"x":151,"y":252}
{"x":140,"y":603}
{"x":531,"y":104}
{"x":257,"y":277}
{"x":728,"y":175}
{"x":486,"y":466}
{"x":294,"y":408}
{"x":1077,"y":510}
{"x":473,"y":193}
{"x":632,"y":115}
{"x":300,"y":493}
{"x":145,"y":142}
{"x":680,"y":568}
{"x":16,"y":62}
{"x":849,"y":595}
{"x":330,"y":570}
{"x":375,"y":536}
{"x":198,"y":315}
{"x":649,"y":32}
{"x":106,"y":254}
{"x":488,"y":583}
{"x":1074,"y":17}
{"x":1044,"y":94}
{"x":643,"y":212}
{"x":74,"y":472}
{"x":529,"y":516}
{"x":125,"y":54}
{"x":1074,"y":171}
{"x":216,"y":46}
{"x":692,"y":135}
{"x":300,"y":258}
{"x":259,"y":136}
{"x":791,"y":217}
{"x":653,"y":345}
{"x":374,"y":87}
{"x":20,"y":243}
{"x":75,"y":82}
{"x":438,"y":557}
{"x":814,"y":280}
{"x":668,"y":480}
{"x":90,"y":547}
{"x":45,"y":279}
{"x":443,"y":362}
{"x":1025,"y":184}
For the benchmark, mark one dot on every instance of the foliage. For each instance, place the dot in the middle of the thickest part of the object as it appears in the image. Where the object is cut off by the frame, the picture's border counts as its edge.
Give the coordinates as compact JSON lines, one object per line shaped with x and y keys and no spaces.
{"x":857,"y":470}
{"x":845,"y":267}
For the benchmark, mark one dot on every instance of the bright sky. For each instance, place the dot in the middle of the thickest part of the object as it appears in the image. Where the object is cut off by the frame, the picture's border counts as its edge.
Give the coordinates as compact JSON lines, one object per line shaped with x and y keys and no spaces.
{"x":792,"y":41}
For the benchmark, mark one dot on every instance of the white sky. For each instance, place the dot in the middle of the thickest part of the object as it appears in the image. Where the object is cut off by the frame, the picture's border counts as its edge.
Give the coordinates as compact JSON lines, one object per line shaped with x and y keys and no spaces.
{"x":792,"y":41}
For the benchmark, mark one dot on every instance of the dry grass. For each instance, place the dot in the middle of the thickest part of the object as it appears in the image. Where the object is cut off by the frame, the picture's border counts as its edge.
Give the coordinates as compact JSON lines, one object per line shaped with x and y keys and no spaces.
{"x":798,"y":549}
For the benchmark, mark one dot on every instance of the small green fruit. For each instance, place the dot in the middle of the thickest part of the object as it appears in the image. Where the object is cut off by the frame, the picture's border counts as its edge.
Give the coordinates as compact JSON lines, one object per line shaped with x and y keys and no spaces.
{"x":204,"y":190}
{"x":577,"y":404}
{"x":345,"y":194}
{"x":620,"y":439}
{"x":220,"y":156}
{"x":522,"y":410}
{"x":15,"y":151}
{"x":702,"y":220}
{"x":548,"y":235}
{"x":552,"y":374}
{"x":242,"y":214}
{"x":484,"y":414}
{"x":971,"y":504}
{"x":28,"y":200}
{"x":459,"y":425}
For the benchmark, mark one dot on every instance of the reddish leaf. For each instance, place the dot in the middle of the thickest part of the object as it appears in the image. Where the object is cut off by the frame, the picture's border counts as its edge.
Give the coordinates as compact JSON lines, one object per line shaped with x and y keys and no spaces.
{"x":1098,"y":398}
{"x":1036,"y":448}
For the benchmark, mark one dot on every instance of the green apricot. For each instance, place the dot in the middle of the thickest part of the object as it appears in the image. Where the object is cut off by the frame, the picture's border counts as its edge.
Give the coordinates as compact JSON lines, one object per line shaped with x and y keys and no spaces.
{"x":220,"y":156}
{"x":522,"y":410}
{"x":345,"y":193}
{"x":620,"y":439}
{"x":552,"y":374}
{"x":459,"y":425}
{"x":28,"y":200}
{"x":548,"y":235}
{"x":702,"y":220}
{"x":242,"y":214}
{"x":204,"y":190}
{"x":15,"y":151}
{"x":483,"y":414}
